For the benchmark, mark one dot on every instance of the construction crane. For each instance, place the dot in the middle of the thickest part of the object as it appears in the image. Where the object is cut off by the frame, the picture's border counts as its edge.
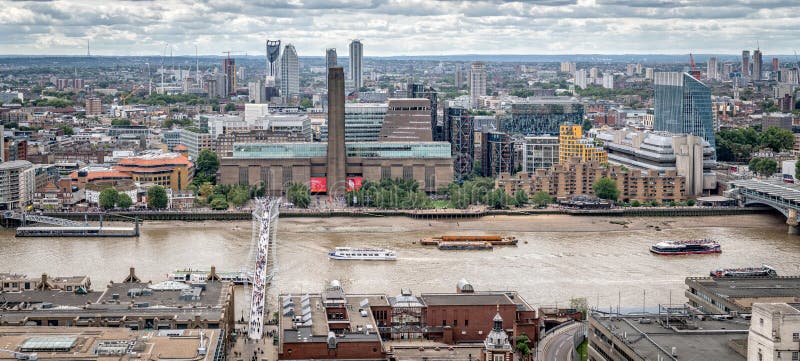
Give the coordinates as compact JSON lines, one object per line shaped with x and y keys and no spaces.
{"x":231,"y":51}
{"x":125,"y":97}
{"x":694,"y":72}
{"x":22,"y":356}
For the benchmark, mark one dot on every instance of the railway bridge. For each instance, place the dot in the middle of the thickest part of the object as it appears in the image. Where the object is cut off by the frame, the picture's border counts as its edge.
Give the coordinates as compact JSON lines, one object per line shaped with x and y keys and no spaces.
{"x":782,"y":196}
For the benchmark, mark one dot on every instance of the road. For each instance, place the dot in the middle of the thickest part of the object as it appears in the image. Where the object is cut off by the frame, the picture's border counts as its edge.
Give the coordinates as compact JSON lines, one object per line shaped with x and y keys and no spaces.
{"x":558,"y":346}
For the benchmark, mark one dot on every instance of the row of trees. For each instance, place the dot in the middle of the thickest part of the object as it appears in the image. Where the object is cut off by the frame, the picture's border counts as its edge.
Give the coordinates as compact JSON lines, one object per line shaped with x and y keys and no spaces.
{"x":736,"y":145}
{"x":763,"y":166}
{"x":110,"y":198}
{"x":389,"y":193}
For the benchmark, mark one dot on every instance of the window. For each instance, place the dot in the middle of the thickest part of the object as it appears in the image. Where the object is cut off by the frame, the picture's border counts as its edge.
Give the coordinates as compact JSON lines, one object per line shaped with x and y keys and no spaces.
{"x":444,"y":323}
{"x":796,"y":337}
{"x":455,"y":323}
{"x":466,"y":322}
{"x":761,"y":322}
{"x":795,"y":355}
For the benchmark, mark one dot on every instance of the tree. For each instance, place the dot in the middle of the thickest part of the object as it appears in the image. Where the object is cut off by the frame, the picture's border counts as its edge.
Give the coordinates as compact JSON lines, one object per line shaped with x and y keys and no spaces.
{"x":777,"y":139}
{"x":541,"y":199}
{"x":521,"y":197}
{"x":230,"y":107}
{"x":797,"y":168}
{"x":587,"y":125}
{"x":219,"y":204}
{"x":239,"y":195}
{"x":606,"y":188}
{"x":205,"y":189}
{"x":206,"y":166}
{"x":523,"y":345}
{"x":299,"y":195}
{"x":67,"y":129}
{"x":763,"y":166}
{"x":124,"y":201}
{"x":108,"y":198}
{"x":157,"y":198}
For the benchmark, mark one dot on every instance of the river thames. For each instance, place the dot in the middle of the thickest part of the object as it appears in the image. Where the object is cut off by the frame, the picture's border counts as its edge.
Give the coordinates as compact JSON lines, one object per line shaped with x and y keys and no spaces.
{"x":559,"y":257}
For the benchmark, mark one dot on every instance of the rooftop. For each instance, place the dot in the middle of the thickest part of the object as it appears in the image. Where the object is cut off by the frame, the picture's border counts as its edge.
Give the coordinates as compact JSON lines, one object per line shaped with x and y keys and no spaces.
{"x":466,"y":299}
{"x":701,"y":340}
{"x":740,"y":288}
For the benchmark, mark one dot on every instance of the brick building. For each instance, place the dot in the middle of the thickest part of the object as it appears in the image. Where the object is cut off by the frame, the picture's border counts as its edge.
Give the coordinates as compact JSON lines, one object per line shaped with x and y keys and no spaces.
{"x":576,"y":178}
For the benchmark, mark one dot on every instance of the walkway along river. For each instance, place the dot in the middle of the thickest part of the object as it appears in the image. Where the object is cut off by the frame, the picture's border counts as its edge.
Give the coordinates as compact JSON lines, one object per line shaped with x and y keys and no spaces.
{"x":558,"y":257}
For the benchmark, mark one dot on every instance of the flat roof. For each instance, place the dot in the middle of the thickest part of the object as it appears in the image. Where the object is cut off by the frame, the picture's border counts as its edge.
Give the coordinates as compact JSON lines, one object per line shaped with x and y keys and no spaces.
{"x":733,"y":288}
{"x":709,"y":341}
{"x":466,"y":299}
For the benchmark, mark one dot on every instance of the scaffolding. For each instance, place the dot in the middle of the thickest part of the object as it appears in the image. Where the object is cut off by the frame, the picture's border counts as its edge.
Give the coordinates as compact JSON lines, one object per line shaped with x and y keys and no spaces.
{"x":263,"y":256}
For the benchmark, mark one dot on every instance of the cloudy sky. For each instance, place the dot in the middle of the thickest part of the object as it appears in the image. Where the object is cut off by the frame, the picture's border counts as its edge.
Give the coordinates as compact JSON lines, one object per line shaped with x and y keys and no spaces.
{"x":401,"y":27}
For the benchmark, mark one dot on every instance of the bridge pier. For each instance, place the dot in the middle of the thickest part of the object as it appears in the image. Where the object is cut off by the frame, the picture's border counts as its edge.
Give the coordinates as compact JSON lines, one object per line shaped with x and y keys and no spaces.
{"x":794,"y":230}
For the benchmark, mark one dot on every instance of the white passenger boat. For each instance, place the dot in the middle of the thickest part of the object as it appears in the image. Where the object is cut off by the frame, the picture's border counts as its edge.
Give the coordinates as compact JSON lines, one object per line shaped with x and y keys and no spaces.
{"x":362,"y":254}
{"x":195,"y":275}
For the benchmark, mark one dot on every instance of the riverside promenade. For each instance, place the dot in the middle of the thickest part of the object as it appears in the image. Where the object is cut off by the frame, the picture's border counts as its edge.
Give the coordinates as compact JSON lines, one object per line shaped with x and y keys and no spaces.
{"x":474,"y":212}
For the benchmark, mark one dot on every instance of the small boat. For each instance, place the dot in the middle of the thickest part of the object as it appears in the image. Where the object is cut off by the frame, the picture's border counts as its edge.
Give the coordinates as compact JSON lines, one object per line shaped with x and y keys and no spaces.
{"x":693,"y":246}
{"x":763,"y":271}
{"x":362,"y":254}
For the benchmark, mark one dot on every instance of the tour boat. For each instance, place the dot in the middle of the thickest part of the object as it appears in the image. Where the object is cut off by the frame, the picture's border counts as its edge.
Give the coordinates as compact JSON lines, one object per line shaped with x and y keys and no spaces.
{"x":694,"y":246}
{"x":362,"y":254}
{"x":763,"y":271}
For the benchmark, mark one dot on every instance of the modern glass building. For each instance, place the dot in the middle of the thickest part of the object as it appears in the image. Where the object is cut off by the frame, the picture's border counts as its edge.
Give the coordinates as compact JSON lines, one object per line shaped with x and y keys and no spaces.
{"x":541,"y":152}
{"x":542,"y":116}
{"x":683,"y":105}
{"x":362,"y":122}
{"x":389,"y":150}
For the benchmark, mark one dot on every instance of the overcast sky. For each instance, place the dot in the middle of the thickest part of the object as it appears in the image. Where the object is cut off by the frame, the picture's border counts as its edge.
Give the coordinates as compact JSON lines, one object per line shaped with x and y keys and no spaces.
{"x":401,"y":27}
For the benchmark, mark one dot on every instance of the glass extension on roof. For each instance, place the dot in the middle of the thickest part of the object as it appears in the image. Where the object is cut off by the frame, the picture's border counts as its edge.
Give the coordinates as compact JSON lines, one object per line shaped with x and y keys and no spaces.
{"x":354,"y":149}
{"x":51,"y":344}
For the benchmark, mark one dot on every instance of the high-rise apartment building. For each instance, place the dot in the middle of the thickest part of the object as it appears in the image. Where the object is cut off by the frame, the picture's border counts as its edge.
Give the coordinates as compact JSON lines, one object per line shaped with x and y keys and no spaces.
{"x":462,"y":141}
{"x":758,"y":65}
{"x":273,"y":54}
{"x":477,"y":83}
{"x":541,"y":152}
{"x":459,"y":76}
{"x":357,"y":64}
{"x":745,"y":63}
{"x":571,"y":144}
{"x":229,"y":69}
{"x":608,"y":81}
{"x":94,"y":106}
{"x":683,"y":105}
{"x":567,"y":67}
{"x":331,"y":60}
{"x":776,"y":64}
{"x":289,"y":72}
{"x":580,"y":78}
{"x":257,"y":92}
{"x":712,"y":69}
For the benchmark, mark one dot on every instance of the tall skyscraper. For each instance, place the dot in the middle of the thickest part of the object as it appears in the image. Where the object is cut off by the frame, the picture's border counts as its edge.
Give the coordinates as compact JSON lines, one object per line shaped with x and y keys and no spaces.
{"x":758,"y":65}
{"x":462,"y":141}
{"x":289,"y":72}
{"x":745,"y":63}
{"x":331,"y":60}
{"x":459,"y":77}
{"x":776,"y":64}
{"x":273,"y":53}
{"x":357,"y":64}
{"x":229,"y":69}
{"x":336,"y":146}
{"x":712,"y":70}
{"x":477,"y":83}
{"x":683,"y":105}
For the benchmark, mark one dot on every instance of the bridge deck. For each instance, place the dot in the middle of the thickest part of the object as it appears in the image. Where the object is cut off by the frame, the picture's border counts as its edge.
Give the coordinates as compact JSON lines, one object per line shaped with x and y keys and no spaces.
{"x":772,"y":188}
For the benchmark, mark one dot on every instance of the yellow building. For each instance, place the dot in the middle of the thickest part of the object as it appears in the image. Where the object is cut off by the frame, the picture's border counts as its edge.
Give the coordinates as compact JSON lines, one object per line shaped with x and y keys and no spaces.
{"x":170,"y":170}
{"x":571,"y":143}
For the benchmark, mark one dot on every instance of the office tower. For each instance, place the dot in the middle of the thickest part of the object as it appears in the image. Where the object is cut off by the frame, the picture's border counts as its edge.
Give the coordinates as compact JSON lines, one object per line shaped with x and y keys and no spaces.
{"x":682,"y":105}
{"x":93,"y":106}
{"x":462,"y":141}
{"x":336,"y":147}
{"x":758,"y":65}
{"x":330,"y":60}
{"x":407,"y":120}
{"x":357,"y":64}
{"x":745,"y":63}
{"x":608,"y":81}
{"x":257,"y":92}
{"x":273,"y":53}
{"x":289,"y":72}
{"x":712,"y":70}
{"x":459,"y":76}
{"x":542,"y":115}
{"x":477,"y":83}
{"x":420,"y":91}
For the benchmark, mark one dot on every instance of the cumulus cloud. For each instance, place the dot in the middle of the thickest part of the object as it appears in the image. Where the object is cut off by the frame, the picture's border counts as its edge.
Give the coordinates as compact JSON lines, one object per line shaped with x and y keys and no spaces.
{"x":399,"y":27}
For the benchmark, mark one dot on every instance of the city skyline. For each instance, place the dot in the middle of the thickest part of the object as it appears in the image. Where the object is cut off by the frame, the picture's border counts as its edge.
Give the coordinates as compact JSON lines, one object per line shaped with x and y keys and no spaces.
{"x":400,"y":28}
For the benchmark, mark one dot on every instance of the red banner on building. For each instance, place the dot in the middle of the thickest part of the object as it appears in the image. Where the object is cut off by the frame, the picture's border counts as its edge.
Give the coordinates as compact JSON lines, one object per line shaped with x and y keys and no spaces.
{"x":318,"y":184}
{"x":354,"y":183}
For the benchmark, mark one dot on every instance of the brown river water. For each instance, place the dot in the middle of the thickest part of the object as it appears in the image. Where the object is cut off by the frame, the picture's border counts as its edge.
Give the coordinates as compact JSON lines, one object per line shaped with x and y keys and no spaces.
{"x":558,"y":257}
